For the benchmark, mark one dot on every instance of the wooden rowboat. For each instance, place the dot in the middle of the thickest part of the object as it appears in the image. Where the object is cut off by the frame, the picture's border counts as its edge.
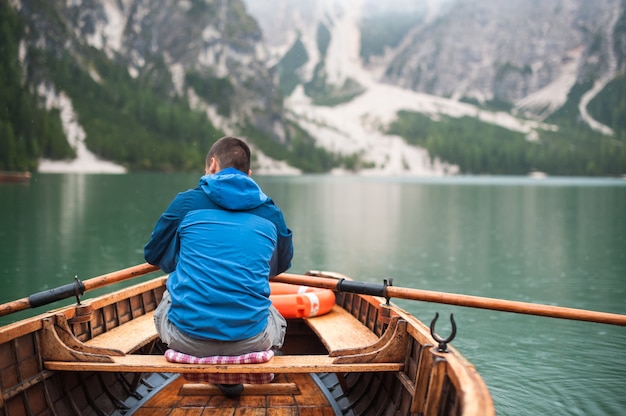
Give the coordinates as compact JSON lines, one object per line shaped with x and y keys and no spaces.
{"x":14,"y":177}
{"x":102,"y":356}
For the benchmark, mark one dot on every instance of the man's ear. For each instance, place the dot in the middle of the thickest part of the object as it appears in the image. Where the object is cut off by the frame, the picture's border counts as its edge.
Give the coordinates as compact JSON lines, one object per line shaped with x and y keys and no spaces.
{"x":213,"y":167}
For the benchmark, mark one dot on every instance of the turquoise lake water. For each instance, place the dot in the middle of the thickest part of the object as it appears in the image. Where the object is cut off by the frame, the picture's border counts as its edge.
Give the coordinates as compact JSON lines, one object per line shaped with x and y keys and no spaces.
{"x":555,"y":241}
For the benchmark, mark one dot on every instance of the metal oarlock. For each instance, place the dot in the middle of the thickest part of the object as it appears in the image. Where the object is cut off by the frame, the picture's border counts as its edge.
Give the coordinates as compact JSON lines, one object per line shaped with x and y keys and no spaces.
{"x":443,"y":343}
{"x":387,"y":283}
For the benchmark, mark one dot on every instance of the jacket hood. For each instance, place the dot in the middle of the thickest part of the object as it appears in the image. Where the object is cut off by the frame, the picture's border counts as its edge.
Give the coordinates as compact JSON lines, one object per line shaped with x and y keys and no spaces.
{"x":233,"y":190}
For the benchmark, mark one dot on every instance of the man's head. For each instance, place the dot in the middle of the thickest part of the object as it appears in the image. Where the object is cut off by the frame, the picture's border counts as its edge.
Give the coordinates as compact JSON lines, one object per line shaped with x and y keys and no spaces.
{"x":228,"y":152}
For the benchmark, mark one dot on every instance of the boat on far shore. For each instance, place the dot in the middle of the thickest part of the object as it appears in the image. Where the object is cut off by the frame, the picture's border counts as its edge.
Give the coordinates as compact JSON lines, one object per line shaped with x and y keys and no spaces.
{"x":14,"y":177}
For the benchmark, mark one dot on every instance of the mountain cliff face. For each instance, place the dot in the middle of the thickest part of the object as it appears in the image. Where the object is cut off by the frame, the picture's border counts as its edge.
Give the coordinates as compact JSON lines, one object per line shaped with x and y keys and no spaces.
{"x":521,"y":54}
{"x":179,"y":47}
{"x":510,"y":52}
{"x":475,"y":71}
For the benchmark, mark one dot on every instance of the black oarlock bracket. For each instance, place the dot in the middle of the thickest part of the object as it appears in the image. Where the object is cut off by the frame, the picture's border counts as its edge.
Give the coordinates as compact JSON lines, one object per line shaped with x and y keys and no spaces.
{"x":387,"y":283}
{"x":443,"y":343}
{"x":79,"y":289}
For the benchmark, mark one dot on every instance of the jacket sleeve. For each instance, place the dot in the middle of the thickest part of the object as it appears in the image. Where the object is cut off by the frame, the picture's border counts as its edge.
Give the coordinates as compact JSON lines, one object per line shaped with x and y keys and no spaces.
{"x":163,"y":247}
{"x":281,"y":259}
{"x":284,"y":251}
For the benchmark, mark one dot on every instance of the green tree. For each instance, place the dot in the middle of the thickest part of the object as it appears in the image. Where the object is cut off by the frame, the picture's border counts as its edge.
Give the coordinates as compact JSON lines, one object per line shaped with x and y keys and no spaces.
{"x":27,"y":131}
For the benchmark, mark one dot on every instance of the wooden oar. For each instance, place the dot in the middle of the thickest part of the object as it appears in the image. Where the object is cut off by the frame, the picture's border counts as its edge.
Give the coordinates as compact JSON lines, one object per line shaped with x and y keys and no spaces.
{"x":379,"y":289}
{"x":74,"y":289}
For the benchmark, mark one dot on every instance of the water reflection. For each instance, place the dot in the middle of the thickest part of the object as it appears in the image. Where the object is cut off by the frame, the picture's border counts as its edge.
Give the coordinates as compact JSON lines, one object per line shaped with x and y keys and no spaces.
{"x":341,"y":213}
{"x":71,"y":212}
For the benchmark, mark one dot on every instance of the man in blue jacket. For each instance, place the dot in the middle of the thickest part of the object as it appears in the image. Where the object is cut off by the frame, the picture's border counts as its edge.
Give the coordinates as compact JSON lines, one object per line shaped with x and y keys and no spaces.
{"x":221,"y":242}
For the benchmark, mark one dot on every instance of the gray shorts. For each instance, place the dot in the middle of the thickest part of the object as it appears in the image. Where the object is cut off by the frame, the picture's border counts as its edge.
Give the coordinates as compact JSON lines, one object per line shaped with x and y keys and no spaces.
{"x":270,"y":338}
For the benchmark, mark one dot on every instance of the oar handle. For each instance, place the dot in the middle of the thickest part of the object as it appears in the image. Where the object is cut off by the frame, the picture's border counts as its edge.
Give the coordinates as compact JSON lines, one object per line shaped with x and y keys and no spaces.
{"x":384,"y":290}
{"x":74,"y":289}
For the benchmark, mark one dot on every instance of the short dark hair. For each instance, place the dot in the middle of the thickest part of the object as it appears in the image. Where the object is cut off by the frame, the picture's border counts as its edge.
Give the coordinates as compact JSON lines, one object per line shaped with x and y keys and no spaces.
{"x":230,"y":152}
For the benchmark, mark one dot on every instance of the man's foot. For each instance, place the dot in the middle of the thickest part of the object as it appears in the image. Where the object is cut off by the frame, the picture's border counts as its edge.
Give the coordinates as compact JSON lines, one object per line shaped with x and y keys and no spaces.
{"x":231,"y":390}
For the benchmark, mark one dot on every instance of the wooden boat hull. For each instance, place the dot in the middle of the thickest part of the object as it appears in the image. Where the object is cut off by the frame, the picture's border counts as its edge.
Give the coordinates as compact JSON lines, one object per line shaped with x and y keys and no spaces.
{"x":14,"y":177}
{"x":429,"y":382}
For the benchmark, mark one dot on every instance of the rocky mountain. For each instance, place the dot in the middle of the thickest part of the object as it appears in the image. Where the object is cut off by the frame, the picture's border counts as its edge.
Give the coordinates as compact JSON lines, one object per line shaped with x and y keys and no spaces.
{"x":319,"y":84}
{"x":460,"y":58}
{"x":519,"y":53}
{"x":165,"y":40}
{"x":207,"y":54}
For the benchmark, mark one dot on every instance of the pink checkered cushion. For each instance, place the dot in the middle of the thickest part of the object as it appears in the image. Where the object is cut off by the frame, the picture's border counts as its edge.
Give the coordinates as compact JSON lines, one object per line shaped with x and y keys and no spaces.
{"x":249,"y":358}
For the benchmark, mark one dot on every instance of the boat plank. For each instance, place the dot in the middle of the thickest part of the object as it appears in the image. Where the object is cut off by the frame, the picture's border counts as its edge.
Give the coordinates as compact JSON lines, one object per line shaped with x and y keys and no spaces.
{"x":307,"y":400}
{"x":206,"y":389}
{"x":339,"y":330}
{"x":278,"y":364}
{"x":129,"y":337}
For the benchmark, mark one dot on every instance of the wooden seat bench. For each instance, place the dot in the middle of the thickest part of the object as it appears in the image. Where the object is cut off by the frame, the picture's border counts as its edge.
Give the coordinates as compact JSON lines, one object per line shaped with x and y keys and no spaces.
{"x":128,"y":337}
{"x":351,"y":345}
{"x":339,"y":330}
{"x":279,"y":364}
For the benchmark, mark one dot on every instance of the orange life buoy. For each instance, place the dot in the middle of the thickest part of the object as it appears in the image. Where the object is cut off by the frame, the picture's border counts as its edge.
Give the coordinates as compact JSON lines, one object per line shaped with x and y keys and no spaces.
{"x":294,"y":301}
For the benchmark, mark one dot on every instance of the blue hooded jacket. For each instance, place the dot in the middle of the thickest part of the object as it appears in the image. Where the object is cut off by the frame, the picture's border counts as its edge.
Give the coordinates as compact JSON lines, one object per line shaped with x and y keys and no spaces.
{"x":221,"y":242}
